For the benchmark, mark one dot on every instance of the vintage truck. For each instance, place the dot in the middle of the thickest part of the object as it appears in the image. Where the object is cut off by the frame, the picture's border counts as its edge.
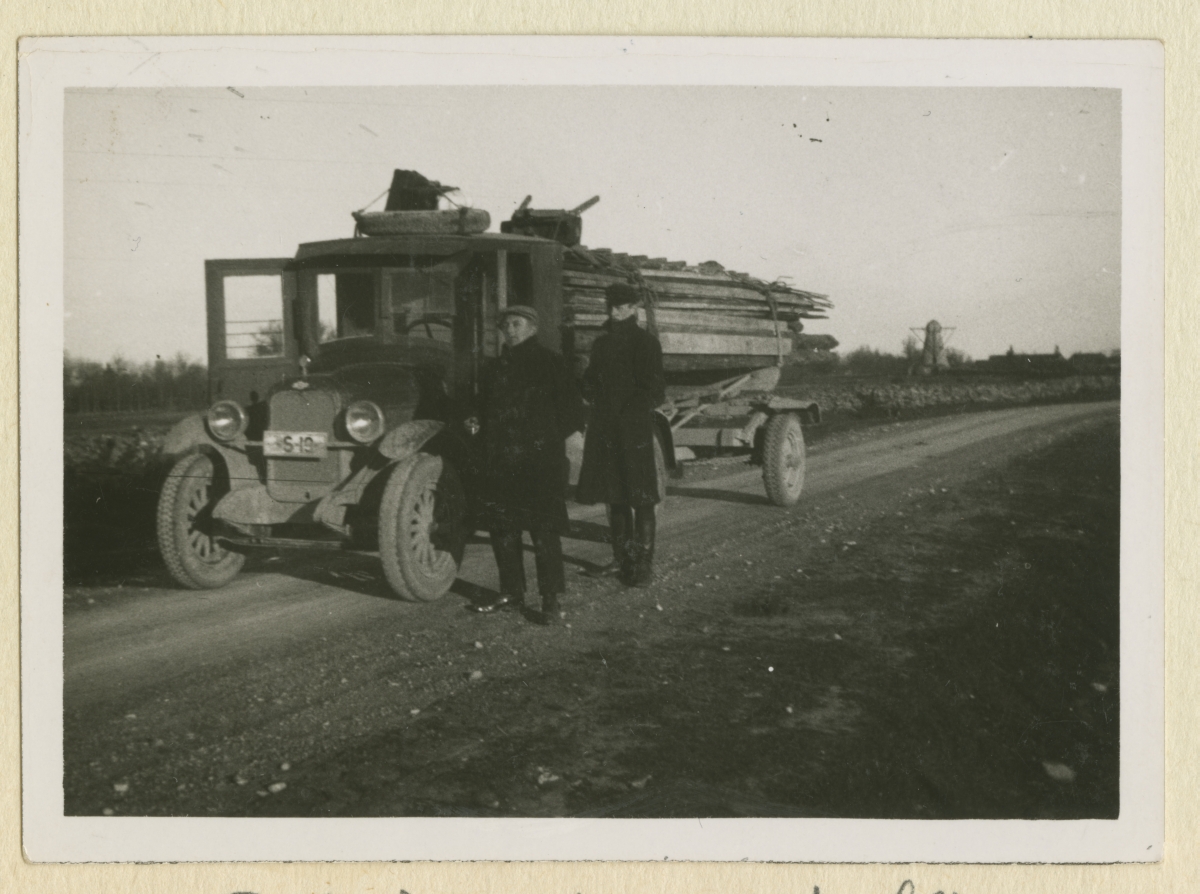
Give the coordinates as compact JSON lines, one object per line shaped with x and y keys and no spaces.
{"x":342,"y":382}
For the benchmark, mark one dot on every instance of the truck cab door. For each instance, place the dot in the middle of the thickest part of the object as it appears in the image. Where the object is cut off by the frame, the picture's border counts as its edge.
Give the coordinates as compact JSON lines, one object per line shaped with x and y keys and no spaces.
{"x":251,"y":331}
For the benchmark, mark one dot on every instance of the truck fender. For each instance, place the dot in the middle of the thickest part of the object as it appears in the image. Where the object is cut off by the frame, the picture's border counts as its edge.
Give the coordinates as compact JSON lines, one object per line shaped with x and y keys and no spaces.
{"x":191,"y":435}
{"x":186,"y":435}
{"x":810,"y":414}
{"x":405,"y":440}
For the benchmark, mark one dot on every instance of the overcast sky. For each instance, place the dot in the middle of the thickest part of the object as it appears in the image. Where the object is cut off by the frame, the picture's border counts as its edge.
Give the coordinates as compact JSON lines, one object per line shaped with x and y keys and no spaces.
{"x":993,"y":210}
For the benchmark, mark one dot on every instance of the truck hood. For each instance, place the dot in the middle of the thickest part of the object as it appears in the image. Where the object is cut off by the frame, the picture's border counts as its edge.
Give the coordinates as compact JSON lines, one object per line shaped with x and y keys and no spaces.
{"x":402,"y":391}
{"x":415,"y":352}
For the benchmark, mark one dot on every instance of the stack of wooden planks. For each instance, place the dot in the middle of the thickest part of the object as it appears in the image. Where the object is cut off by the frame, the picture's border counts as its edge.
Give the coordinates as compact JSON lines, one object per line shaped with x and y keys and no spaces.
{"x":705,"y":317}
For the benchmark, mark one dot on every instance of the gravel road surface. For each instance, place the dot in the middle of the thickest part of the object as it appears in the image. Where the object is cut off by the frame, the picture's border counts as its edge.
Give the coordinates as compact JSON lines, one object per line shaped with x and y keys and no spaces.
{"x":272,"y":694}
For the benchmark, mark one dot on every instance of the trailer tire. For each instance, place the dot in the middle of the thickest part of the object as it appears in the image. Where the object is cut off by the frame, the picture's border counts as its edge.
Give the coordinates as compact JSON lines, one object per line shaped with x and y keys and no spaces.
{"x":422,"y":531}
{"x":784,"y":459}
{"x":192,"y":554}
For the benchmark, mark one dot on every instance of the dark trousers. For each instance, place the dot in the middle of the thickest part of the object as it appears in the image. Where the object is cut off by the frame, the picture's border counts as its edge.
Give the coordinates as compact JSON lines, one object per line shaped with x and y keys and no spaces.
{"x":510,"y":561}
{"x":632,"y":529}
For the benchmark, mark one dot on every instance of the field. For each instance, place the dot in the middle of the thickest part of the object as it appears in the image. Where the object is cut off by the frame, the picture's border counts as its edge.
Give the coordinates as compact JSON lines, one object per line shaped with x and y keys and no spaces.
{"x":851,"y":397}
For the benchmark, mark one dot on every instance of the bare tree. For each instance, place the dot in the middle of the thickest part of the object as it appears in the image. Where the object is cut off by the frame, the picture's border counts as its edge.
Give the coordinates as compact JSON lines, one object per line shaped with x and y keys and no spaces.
{"x":268,"y":341}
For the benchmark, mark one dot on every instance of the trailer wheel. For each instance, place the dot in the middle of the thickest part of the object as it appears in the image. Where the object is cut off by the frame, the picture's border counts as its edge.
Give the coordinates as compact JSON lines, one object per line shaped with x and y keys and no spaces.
{"x":185,"y":537}
{"x":422,"y":531}
{"x":783,"y":459}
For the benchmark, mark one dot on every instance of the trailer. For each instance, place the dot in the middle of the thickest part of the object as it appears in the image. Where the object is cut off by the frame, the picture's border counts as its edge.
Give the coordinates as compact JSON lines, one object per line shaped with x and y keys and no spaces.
{"x":725,"y":336}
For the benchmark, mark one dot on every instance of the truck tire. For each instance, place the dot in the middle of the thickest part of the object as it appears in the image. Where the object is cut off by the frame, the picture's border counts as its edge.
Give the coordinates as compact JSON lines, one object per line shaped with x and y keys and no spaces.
{"x":185,"y":535}
{"x":783,"y":459}
{"x":422,"y":531}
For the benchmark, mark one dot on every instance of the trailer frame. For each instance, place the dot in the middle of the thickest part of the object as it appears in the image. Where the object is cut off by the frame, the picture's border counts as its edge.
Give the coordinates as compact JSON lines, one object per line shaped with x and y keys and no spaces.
{"x":743,"y":413}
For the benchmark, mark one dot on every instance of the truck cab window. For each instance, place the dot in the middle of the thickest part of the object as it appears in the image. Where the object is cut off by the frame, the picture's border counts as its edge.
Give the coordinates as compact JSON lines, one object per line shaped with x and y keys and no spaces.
{"x":327,"y":316}
{"x":520,"y":279}
{"x":354,"y":306}
{"x":253,"y":317}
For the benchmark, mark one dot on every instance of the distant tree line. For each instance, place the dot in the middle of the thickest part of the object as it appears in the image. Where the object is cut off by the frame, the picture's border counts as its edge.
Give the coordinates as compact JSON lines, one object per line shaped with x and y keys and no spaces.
{"x":120,"y":385}
{"x":182,"y":383}
{"x":866,"y":361}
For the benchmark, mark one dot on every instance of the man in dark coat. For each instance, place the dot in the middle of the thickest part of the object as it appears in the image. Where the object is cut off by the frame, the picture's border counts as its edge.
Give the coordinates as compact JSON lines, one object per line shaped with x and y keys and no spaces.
{"x":624,"y":383}
{"x":528,"y":406}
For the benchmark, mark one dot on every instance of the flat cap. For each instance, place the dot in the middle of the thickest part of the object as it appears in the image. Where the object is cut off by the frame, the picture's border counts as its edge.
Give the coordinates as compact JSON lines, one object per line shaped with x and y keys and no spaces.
{"x":622,"y":293}
{"x":520,"y":310}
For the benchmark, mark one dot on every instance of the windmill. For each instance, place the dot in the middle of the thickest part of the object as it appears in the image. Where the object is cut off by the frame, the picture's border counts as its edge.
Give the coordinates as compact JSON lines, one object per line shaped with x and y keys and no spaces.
{"x":933,"y":352}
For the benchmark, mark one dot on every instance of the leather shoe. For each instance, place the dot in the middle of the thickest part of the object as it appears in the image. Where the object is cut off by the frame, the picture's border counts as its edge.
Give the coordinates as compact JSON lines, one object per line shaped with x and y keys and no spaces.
{"x":551,"y":612}
{"x":546,"y":618}
{"x":501,"y":603}
{"x":612,"y":569}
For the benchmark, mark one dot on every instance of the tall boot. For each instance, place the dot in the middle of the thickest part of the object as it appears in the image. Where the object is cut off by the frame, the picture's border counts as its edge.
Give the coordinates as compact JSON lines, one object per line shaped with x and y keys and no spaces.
{"x":548,"y":558}
{"x":547,"y":550}
{"x":620,"y":518}
{"x":510,"y":563}
{"x":645,"y":527}
{"x":613,"y":568}
{"x":551,"y":612}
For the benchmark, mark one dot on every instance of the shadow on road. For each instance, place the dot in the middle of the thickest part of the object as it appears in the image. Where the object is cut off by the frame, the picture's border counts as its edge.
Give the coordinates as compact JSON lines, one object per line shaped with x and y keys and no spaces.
{"x":474,"y":593}
{"x":728,"y":496}
{"x":589,"y":531}
{"x":354,"y":580}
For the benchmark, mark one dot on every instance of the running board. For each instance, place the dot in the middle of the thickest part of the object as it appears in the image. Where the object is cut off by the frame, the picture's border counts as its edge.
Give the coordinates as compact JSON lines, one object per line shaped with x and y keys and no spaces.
{"x":286,"y":542}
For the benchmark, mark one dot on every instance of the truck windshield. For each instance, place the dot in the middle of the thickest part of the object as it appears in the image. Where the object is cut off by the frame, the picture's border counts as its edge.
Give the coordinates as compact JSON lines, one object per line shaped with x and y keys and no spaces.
{"x":419,"y":298}
{"x":423,"y":303}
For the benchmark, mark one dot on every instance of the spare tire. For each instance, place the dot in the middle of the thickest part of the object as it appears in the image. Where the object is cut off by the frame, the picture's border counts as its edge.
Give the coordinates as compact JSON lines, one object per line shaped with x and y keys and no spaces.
{"x":454,"y":222}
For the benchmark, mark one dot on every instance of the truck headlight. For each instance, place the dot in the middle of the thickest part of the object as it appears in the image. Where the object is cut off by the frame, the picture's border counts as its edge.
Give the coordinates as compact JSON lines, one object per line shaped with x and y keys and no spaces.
{"x":226,"y":420}
{"x":364,"y":421}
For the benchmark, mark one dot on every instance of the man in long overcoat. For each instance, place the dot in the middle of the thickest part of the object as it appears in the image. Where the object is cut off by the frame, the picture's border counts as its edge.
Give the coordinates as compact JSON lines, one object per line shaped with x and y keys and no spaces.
{"x":624,"y":383}
{"x":528,"y":405}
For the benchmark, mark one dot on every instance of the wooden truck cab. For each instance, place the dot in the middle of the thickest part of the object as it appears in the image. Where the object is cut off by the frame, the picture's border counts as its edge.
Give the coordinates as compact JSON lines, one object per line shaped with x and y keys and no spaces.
{"x":265,"y":314}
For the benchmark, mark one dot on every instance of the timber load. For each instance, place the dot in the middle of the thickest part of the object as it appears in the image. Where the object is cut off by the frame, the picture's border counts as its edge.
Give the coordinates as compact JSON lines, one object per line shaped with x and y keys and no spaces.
{"x":711,"y":322}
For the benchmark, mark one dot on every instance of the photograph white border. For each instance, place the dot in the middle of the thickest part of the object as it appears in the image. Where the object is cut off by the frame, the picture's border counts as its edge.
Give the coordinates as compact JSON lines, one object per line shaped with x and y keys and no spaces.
{"x":49,"y":66}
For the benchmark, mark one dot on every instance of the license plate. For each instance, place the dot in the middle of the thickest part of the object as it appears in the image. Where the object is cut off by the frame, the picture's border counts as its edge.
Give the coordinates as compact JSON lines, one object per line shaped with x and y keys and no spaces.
{"x":295,"y":444}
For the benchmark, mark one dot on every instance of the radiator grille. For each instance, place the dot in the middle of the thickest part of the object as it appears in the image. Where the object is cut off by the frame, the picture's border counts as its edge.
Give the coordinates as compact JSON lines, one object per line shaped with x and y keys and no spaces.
{"x":303,"y":480}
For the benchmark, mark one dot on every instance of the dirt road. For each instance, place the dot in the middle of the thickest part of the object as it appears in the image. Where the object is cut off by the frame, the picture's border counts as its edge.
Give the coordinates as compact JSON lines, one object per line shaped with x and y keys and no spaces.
{"x":304,"y":688}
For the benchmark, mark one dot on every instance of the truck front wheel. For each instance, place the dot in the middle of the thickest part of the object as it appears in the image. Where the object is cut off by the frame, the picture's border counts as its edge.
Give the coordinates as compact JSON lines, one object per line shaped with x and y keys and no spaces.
{"x":422,"y":531}
{"x":185,"y":528}
{"x":783,"y":459}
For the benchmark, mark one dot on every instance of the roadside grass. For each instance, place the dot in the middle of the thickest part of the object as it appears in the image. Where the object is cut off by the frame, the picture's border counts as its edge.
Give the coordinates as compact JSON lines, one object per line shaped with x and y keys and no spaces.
{"x":110,"y":497}
{"x":850,"y":399}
